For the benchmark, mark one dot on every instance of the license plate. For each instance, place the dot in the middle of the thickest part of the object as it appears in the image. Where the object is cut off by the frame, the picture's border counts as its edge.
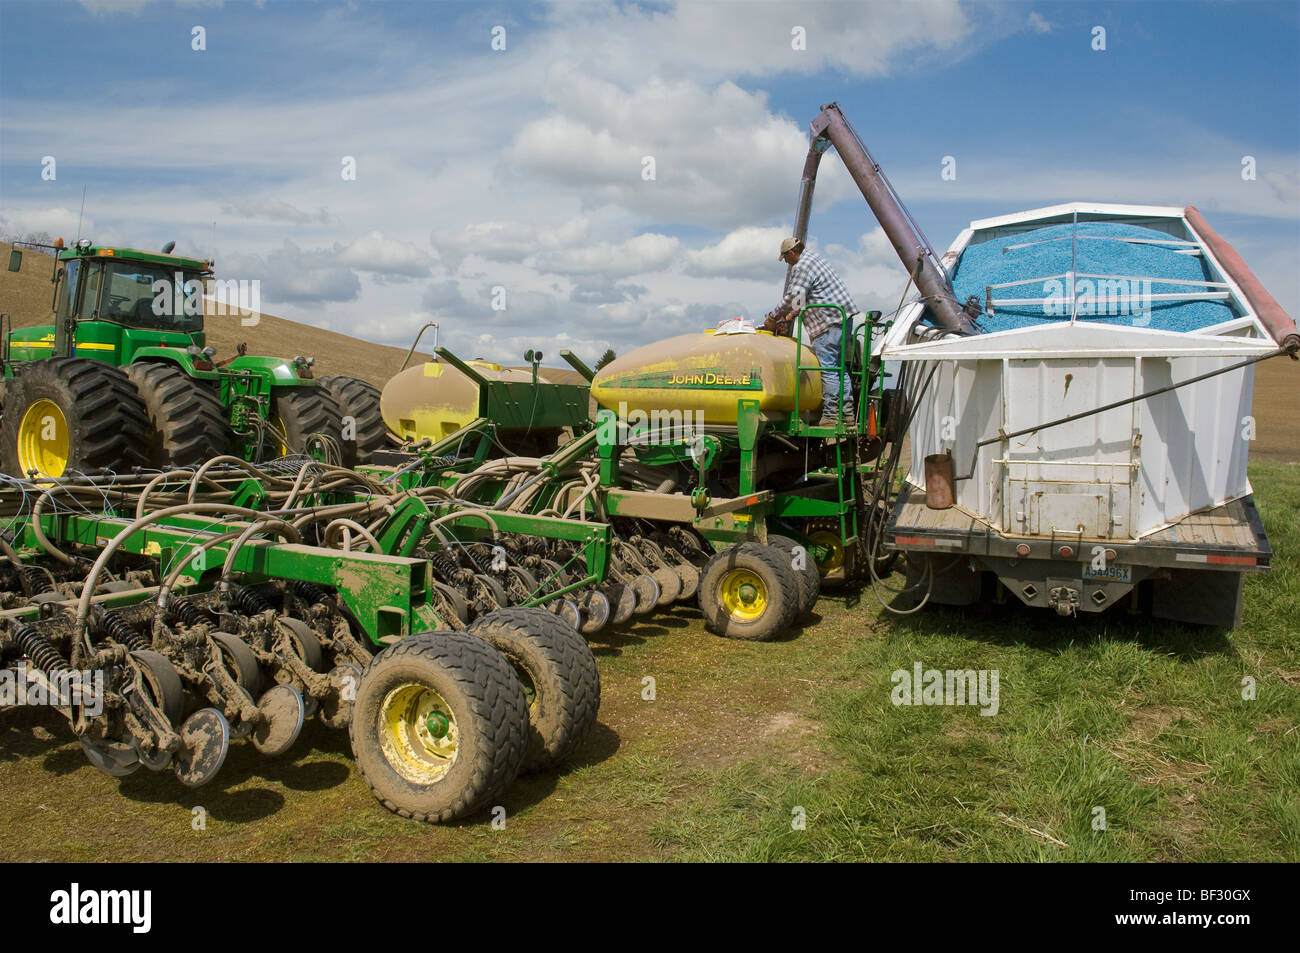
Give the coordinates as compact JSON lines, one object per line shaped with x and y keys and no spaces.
{"x":1111,"y":573}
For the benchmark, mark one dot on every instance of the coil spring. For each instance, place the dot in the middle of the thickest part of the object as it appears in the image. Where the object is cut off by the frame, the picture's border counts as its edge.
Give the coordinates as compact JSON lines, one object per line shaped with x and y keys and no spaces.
{"x":187,"y":613}
{"x":110,"y":625}
{"x":309,"y":592}
{"x":37,"y":647}
{"x":251,"y":601}
{"x":38,"y":580}
{"x":487,"y":551}
{"x":444,"y":566}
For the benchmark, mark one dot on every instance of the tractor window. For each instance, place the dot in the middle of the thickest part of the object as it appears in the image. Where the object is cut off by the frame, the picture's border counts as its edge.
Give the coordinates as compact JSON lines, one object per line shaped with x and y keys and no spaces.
{"x":140,"y":295}
{"x":68,"y":290}
{"x":94,"y":276}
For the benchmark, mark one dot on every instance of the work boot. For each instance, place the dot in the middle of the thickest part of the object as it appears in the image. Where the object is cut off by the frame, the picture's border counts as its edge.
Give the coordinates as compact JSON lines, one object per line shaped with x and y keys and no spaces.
{"x":830,"y":420}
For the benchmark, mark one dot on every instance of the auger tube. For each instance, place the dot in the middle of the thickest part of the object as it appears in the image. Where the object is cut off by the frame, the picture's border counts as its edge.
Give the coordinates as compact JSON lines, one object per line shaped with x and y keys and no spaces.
{"x":831,"y":129}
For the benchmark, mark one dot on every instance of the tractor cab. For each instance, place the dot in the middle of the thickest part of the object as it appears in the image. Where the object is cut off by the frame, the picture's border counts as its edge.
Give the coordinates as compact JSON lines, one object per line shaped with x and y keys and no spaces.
{"x":111,"y":302}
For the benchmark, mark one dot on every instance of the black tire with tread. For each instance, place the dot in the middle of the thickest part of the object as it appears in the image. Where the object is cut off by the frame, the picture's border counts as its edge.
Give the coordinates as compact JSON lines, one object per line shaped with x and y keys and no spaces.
{"x":488,"y":703}
{"x":188,"y":419}
{"x":304,"y":411}
{"x":778,"y":579}
{"x":359,"y":400}
{"x":562,"y":669}
{"x":810,"y":580}
{"x":108,"y":425}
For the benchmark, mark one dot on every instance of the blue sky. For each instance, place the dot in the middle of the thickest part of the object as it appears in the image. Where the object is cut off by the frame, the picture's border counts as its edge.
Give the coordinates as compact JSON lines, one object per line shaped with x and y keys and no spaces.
{"x":521,"y":169}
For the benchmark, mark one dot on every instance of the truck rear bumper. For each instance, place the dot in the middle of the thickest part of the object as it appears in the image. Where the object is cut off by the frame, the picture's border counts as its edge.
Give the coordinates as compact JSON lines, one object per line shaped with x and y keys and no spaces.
{"x":1197,"y":566}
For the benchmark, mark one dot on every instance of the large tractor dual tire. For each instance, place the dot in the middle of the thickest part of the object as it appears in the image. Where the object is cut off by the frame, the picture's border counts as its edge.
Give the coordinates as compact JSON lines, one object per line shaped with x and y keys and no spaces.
{"x":439,"y":726}
{"x":558,"y":672}
{"x":300,"y":412}
{"x":749,"y":592}
{"x":805,"y":570}
{"x":443,"y":722}
{"x":359,"y":401}
{"x":189,"y":422}
{"x":67,"y":413}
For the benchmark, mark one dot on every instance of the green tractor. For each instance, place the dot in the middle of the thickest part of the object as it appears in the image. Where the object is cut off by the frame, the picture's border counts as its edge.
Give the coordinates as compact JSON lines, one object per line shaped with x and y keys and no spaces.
{"x":123,"y":378}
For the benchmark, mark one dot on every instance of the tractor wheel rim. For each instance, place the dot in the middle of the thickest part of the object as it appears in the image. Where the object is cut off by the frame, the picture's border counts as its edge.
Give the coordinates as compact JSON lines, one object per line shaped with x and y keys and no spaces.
{"x":278,"y":426}
{"x":744,"y":595}
{"x":43,"y":439}
{"x":418,"y":733}
{"x":831,"y":541}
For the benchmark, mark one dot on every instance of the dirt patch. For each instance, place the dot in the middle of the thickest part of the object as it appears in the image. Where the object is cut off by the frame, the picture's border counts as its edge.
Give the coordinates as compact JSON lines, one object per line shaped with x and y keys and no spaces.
{"x":1140,"y":748}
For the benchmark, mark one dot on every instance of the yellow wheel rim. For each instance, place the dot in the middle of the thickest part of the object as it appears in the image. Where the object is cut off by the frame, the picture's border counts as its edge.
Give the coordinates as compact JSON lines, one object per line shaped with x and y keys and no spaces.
{"x":418,"y":733}
{"x":744,"y":595}
{"x":829,"y":541}
{"x":278,"y":424}
{"x":43,"y":439}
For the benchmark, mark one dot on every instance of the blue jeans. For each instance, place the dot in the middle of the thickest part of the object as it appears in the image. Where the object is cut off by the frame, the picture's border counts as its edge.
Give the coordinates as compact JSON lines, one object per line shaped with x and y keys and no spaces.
{"x":834,"y":384}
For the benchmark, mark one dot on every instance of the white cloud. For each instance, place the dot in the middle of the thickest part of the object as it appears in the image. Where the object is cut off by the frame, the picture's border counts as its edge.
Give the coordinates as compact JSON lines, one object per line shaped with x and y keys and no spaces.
{"x":1039,"y":23}
{"x":275,"y":210}
{"x":749,"y":252}
{"x":292,"y":274}
{"x":720,"y":157}
{"x":375,"y":253}
{"x":724,"y":39}
{"x":644,"y":253}
{"x":59,"y":222}
{"x":507,"y":241}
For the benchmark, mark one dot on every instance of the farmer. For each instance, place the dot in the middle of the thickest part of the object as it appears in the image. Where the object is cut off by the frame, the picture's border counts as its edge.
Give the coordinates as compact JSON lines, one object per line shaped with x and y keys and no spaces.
{"x":813,"y":281}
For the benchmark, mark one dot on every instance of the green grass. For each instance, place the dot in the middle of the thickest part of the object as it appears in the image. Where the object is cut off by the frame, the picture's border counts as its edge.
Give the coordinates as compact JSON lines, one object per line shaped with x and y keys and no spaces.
{"x":1144,"y":720}
{"x":1141,"y":719}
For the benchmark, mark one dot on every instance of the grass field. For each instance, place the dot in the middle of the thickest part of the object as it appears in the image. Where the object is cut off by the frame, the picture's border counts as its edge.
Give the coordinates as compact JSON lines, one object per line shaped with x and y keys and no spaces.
{"x":1146,"y":721}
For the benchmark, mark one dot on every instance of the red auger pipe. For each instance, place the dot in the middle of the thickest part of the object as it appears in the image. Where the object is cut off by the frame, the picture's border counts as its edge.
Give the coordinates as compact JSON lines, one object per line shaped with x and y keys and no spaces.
{"x":1271,"y":314}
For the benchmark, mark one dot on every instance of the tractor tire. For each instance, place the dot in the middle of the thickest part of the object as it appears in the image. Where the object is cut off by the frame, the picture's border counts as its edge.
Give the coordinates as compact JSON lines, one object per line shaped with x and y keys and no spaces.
{"x":301,"y":412}
{"x":439,"y":726}
{"x":360,"y":401}
{"x":810,"y":579}
{"x":559,"y":675}
{"x":748,"y":592}
{"x":92,"y":410}
{"x":189,"y":421}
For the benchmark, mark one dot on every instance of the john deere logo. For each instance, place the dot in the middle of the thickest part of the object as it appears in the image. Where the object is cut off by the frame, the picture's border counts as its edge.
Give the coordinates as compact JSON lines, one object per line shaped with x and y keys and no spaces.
{"x":749,"y":380}
{"x":712,"y":378}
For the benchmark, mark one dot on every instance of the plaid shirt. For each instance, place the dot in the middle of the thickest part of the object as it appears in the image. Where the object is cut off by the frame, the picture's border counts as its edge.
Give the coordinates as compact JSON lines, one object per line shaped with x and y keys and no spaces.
{"x":815,"y":282}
